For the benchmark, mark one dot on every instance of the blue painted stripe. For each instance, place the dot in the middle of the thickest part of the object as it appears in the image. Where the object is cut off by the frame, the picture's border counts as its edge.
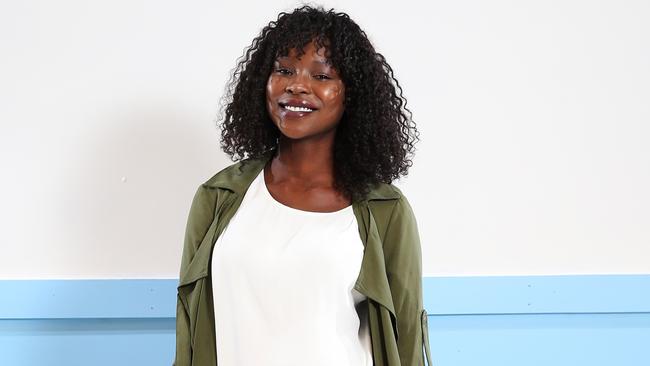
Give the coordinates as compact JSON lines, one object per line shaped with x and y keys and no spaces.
{"x":537,"y":294}
{"x":540,"y":339}
{"x":70,"y":299}
{"x":156,"y":298}
{"x":82,"y":342}
{"x":489,"y":321}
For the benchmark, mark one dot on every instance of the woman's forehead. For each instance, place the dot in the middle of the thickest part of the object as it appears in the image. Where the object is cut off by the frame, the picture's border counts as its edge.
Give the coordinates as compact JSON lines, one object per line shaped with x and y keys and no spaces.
{"x":320,"y":55}
{"x":313,"y":46}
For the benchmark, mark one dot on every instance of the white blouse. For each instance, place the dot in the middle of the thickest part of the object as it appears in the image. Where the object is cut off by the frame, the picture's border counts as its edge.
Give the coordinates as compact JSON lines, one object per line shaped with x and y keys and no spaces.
{"x":283,"y":293}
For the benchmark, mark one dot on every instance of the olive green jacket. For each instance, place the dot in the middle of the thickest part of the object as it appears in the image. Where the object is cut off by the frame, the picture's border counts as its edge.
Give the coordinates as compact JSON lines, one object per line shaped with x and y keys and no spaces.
{"x":390,"y":275}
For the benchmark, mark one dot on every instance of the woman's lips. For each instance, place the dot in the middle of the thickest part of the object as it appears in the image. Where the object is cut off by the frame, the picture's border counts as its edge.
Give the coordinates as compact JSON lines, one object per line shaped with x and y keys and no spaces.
{"x":287,"y":113}
{"x":297,"y":102}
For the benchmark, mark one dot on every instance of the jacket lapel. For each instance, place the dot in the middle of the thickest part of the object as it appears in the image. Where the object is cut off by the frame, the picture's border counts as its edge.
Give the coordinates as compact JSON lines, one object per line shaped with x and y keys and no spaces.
{"x":233,"y":181}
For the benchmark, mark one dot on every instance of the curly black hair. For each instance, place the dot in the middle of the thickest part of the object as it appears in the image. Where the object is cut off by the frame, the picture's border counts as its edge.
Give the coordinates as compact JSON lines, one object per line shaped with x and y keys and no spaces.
{"x":376,"y":134}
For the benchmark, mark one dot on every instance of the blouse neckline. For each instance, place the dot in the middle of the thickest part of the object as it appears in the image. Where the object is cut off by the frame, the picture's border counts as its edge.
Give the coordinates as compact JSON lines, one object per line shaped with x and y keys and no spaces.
{"x":261,"y":180}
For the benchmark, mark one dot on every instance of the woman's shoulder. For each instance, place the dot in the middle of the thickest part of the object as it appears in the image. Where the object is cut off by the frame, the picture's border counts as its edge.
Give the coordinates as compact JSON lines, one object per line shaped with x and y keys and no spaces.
{"x":384,"y":191}
{"x":393,"y":208}
{"x":223,"y":173}
{"x":235,"y":173}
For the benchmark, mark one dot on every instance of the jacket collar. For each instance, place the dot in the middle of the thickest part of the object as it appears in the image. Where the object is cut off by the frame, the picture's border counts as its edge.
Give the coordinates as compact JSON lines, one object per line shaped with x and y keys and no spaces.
{"x":239,"y":176}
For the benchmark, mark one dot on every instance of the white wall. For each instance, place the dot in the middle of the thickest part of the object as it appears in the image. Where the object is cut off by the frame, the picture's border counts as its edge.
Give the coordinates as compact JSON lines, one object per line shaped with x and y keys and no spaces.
{"x":534,"y":156}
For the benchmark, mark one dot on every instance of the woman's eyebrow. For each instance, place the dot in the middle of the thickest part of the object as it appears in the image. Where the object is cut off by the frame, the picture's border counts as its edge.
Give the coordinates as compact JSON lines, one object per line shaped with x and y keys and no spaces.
{"x":317,"y":61}
{"x":323,"y":62}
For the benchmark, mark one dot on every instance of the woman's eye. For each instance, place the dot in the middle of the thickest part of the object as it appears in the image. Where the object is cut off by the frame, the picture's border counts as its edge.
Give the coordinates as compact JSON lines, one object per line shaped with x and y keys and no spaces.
{"x":286,"y":72}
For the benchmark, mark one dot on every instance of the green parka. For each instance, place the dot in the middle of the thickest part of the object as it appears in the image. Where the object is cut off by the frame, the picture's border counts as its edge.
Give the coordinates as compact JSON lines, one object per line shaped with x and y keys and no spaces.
{"x":390,"y":275}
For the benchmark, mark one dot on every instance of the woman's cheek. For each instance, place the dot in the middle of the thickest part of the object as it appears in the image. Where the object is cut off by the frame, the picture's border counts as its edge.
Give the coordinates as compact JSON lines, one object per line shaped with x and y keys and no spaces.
{"x":333,"y":93}
{"x":271,"y":88}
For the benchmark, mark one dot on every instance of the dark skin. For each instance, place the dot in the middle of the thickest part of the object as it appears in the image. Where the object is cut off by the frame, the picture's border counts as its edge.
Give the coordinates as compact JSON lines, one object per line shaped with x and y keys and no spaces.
{"x":301,"y":174}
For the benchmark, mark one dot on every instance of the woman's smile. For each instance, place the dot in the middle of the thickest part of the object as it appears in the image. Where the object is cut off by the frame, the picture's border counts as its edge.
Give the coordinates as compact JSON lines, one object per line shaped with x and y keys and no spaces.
{"x":295,"y":112}
{"x":296,"y":108}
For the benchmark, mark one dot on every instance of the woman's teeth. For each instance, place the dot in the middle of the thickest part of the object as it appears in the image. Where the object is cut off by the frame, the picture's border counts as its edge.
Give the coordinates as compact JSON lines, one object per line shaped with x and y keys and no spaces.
{"x":298,"y":109}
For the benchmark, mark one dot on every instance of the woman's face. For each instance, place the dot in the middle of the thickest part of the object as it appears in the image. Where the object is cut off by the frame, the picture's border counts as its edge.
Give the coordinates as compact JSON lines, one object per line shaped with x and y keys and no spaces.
{"x":308,"y":82}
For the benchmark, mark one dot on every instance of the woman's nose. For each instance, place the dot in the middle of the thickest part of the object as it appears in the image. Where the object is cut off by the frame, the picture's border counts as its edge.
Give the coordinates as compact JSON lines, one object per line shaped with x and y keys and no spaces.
{"x":297,"y":84}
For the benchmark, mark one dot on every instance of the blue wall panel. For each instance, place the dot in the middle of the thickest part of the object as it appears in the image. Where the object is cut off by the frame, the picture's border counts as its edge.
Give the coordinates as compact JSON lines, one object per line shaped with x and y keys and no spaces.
{"x":541,"y":340}
{"x":589,"y":320}
{"x":96,"y":342}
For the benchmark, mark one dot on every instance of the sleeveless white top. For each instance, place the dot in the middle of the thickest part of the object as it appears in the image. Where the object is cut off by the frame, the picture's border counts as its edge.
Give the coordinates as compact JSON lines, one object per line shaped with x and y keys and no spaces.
{"x":282,"y":282}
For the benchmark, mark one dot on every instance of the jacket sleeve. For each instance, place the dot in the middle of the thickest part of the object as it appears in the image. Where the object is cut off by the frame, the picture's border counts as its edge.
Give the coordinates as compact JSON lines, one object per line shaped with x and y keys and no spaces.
{"x":198,"y":222}
{"x":183,"y":355}
{"x":403,"y":257}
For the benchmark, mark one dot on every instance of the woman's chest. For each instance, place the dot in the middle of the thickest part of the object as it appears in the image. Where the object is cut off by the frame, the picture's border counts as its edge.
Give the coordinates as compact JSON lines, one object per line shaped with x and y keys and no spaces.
{"x":265,"y":240}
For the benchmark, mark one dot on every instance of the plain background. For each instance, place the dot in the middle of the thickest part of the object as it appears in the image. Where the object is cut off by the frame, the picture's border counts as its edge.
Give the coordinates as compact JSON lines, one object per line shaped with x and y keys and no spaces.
{"x":533,"y":117}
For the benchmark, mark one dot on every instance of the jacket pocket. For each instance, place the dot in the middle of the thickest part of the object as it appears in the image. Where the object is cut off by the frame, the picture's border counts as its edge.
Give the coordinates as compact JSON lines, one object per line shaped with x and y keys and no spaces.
{"x":425,"y":336}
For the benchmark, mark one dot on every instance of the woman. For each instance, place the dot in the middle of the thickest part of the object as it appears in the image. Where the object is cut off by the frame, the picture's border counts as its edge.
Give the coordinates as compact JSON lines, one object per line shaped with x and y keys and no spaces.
{"x":303,"y":252}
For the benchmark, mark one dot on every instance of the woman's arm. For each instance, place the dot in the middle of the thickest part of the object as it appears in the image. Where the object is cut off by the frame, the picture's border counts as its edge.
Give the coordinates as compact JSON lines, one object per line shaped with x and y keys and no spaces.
{"x":403,"y":257}
{"x":198,"y":221}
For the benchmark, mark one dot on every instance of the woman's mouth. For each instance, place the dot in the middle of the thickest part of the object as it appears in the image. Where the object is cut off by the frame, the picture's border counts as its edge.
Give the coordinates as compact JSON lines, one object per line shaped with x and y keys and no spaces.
{"x":294,"y":112}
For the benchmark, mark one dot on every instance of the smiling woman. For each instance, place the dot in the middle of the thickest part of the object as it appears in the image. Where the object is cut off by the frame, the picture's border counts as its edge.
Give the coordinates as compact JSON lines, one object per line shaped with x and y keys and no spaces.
{"x":304,"y":252}
{"x":315,"y":56}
